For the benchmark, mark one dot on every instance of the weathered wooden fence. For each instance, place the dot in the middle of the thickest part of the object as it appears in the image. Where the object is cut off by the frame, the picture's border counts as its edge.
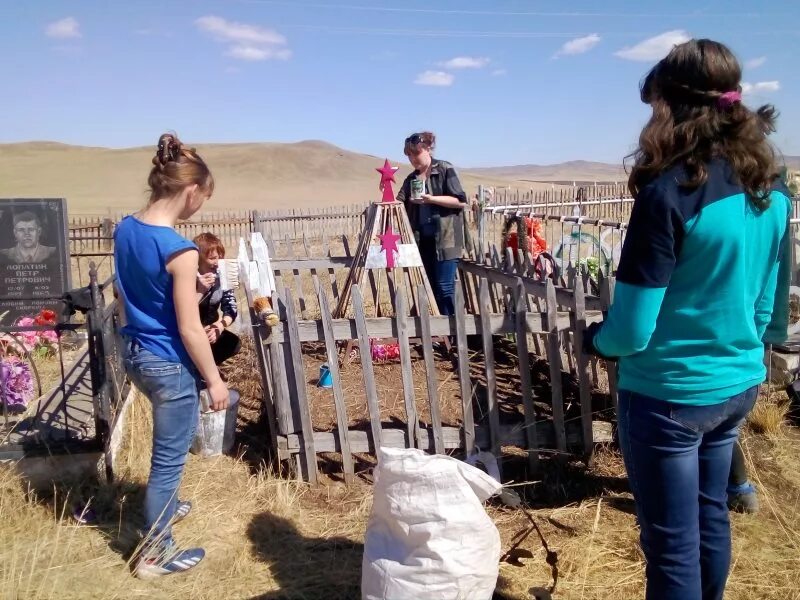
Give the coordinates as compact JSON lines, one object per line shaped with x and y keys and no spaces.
{"x":89,"y":234}
{"x":502,"y":309}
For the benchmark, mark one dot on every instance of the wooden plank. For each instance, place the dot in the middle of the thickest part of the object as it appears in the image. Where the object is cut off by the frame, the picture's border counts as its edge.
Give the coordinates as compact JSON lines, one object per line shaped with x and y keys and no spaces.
{"x":375,"y":288}
{"x":582,"y":367}
{"x":430,"y":371}
{"x":366,"y":366}
{"x":338,"y":394}
{"x":554,"y":358}
{"x":494,"y":295}
{"x":509,"y":266}
{"x":532,"y":287}
{"x":286,"y":405}
{"x":495,"y":258}
{"x":412,"y":419}
{"x":607,"y":294}
{"x":523,"y":356}
{"x":302,"y":264}
{"x":298,"y":281}
{"x":300,"y":378}
{"x":395,"y":437}
{"x":267,"y":374}
{"x":472,"y":288}
{"x":491,"y":380}
{"x":391,"y":283}
{"x":386,"y":327}
{"x":463,"y":373}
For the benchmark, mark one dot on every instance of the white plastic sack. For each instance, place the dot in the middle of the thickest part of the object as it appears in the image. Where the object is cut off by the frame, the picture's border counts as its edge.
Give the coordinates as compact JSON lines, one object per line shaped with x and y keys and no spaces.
{"x":429,"y":536}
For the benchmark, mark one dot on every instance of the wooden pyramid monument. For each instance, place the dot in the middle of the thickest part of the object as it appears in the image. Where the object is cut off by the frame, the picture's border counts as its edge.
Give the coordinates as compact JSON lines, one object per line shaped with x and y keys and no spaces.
{"x":387,"y":247}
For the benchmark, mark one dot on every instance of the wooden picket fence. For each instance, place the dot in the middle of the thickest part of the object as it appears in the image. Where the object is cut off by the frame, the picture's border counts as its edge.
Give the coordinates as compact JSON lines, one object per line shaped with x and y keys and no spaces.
{"x":495,"y":302}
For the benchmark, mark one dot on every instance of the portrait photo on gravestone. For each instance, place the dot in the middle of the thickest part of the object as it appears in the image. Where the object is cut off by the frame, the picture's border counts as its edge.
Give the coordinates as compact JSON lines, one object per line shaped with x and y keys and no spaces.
{"x":34,"y":256}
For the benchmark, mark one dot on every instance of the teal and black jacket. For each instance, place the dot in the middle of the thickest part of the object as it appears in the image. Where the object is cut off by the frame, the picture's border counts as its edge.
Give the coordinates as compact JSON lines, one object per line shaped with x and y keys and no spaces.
{"x":702,"y":285}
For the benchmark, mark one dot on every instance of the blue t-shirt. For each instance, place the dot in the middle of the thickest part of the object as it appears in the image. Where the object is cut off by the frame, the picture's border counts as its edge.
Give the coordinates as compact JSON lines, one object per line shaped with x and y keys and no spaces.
{"x":702,"y":284}
{"x":141,"y":253}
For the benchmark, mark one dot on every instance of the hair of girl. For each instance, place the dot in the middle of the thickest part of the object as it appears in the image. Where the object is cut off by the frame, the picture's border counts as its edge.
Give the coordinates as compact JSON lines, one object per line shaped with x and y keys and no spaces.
{"x":698,"y":115}
{"x":176,"y":167}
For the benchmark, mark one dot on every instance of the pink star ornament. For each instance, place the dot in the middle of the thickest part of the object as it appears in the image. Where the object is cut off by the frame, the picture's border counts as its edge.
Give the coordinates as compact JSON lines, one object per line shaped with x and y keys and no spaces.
{"x":387,"y":172}
{"x":389,"y":241}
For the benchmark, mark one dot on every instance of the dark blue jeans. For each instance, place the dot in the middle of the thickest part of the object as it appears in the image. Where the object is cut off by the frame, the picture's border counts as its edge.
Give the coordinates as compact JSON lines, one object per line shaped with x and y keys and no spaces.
{"x":441,"y":274}
{"x":172,"y":389}
{"x":678,"y":458}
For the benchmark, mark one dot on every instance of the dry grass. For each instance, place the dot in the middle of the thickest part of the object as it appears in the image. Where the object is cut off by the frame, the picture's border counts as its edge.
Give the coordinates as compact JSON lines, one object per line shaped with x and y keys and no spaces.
{"x":274,"y":538}
{"x":596,"y":538}
{"x":262,"y":534}
{"x":769,"y":414}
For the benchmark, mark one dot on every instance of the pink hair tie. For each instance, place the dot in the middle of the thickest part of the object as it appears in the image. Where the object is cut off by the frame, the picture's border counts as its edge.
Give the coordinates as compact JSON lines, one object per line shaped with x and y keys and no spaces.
{"x":728,"y":99}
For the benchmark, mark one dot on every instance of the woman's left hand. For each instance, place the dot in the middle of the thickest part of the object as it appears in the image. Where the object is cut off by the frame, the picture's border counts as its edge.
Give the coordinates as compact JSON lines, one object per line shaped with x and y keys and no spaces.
{"x":206,"y":282}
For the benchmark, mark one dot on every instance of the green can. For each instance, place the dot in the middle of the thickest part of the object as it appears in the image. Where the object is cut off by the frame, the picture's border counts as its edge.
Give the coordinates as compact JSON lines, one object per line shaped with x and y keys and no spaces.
{"x":417,"y":188}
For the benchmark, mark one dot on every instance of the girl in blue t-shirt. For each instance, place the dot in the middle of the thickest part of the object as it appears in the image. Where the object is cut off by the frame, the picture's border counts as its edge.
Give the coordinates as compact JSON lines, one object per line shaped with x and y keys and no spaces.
{"x":166,"y":348}
{"x":702,"y":285}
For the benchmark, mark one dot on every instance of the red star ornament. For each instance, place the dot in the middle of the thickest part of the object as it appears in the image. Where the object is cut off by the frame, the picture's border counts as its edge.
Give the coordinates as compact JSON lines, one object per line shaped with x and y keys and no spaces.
{"x":387,"y":172}
{"x":389,"y":241}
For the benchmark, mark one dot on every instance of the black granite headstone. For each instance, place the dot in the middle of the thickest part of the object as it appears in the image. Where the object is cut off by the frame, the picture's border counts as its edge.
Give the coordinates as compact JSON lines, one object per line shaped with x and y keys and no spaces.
{"x":34,"y":256}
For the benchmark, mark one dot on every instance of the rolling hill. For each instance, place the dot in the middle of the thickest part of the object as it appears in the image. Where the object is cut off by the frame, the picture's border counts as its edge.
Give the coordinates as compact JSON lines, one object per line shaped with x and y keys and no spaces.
{"x":267,"y":176}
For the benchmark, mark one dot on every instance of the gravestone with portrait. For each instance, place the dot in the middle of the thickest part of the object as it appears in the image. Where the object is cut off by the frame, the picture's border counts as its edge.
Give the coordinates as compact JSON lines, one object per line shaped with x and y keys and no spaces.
{"x":34,"y":256}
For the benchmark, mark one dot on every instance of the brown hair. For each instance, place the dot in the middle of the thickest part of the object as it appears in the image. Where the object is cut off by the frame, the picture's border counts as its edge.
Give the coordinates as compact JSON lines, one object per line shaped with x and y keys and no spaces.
{"x":207,"y":242}
{"x":176,"y":167}
{"x":417,"y":142}
{"x":698,"y":116}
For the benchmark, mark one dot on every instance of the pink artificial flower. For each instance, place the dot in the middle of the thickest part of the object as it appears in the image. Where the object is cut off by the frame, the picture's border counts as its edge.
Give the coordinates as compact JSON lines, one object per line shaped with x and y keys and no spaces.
{"x":49,"y":336}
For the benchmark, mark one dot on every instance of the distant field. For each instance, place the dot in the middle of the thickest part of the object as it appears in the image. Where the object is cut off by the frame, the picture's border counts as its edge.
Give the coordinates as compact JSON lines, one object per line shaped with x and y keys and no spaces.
{"x":256,"y":176}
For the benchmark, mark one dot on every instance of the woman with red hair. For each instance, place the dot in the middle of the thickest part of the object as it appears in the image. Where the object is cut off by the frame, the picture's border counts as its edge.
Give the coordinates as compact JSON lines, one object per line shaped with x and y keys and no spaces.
{"x":214,"y":300}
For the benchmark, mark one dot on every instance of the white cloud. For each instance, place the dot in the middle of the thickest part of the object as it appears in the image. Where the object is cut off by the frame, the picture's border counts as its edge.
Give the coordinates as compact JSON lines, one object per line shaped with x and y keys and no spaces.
{"x":754,"y":63}
{"x":579,"y":45}
{"x":435,"y":78}
{"x":230,"y":31}
{"x":761,"y":86}
{"x":254,"y":53}
{"x":654,"y":48}
{"x":465,"y":62}
{"x":64,"y":29}
{"x":246,"y":42}
{"x":499,"y":72}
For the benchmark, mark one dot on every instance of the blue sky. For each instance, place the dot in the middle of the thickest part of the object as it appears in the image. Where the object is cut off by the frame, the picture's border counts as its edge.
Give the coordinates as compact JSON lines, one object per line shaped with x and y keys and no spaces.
{"x":500,"y":82}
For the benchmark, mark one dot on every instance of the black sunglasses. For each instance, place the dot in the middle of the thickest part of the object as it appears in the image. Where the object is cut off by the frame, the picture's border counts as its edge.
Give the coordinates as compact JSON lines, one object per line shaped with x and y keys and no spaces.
{"x":414,"y":138}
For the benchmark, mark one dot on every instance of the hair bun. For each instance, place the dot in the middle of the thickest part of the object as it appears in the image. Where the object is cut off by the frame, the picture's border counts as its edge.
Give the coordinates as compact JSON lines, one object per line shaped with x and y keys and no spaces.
{"x":168,"y":149}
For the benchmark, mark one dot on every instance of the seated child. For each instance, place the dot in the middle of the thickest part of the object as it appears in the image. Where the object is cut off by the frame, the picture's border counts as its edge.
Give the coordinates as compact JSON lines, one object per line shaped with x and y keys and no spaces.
{"x":213,"y":299}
